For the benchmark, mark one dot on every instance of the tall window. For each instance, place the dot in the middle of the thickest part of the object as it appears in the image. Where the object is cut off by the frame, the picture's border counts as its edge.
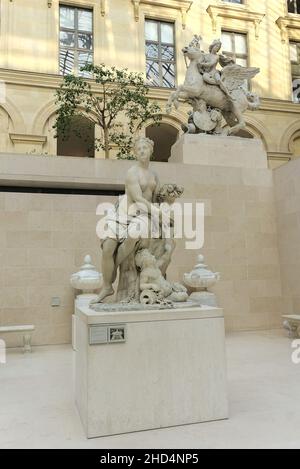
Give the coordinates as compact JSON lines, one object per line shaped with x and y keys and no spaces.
{"x":235,"y":45}
{"x":76,"y":39}
{"x":295,"y":67}
{"x":293,"y":6}
{"x":160,"y":54}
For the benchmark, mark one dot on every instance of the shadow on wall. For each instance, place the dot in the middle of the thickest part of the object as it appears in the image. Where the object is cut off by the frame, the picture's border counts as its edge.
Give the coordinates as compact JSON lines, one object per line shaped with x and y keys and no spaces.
{"x":75,"y":145}
{"x":164,"y":136}
{"x":294,"y":145}
{"x":244,"y":134}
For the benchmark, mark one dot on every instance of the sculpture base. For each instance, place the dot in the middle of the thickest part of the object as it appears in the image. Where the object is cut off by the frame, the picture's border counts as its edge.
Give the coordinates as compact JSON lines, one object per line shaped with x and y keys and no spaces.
{"x":204,"y":298}
{"x":169,"y":369}
{"x":214,"y":150}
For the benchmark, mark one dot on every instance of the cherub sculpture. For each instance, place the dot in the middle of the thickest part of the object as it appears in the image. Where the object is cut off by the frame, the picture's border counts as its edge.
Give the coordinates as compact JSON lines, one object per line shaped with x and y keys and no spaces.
{"x":207,"y":88}
{"x":154,"y":288}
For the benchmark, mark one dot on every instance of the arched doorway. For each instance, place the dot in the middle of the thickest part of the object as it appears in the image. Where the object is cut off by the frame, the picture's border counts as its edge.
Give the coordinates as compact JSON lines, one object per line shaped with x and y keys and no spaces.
{"x":78,"y":145}
{"x":164,"y":136}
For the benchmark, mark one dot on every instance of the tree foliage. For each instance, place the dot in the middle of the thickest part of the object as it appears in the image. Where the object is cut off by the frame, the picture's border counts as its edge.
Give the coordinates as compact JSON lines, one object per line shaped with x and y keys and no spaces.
{"x":116,"y":100}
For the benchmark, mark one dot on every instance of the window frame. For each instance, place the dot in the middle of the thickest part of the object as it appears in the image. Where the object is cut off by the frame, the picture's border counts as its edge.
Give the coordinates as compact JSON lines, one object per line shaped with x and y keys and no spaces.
{"x":235,"y":55}
{"x":295,"y":76}
{"x":159,"y":43}
{"x":77,"y":32}
{"x":241,"y":2}
{"x":295,"y":7}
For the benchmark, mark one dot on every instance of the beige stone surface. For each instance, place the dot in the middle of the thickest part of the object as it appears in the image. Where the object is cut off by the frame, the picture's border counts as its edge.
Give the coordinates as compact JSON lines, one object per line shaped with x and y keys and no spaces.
{"x":213,"y":150}
{"x":44,"y":238}
{"x":288,"y":218}
{"x":155,"y":379}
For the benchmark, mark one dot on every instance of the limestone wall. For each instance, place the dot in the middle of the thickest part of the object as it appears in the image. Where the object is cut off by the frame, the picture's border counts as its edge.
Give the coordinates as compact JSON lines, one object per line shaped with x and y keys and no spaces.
{"x":287,"y":191}
{"x":43,"y":239}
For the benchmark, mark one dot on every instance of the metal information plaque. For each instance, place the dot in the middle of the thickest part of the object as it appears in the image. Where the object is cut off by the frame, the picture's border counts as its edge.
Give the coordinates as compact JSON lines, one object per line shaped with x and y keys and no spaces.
{"x":108,"y":334}
{"x":98,"y":335}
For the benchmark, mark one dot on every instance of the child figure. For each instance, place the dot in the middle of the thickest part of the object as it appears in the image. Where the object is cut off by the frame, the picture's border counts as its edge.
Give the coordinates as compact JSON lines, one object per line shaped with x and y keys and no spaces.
{"x":154,"y":287}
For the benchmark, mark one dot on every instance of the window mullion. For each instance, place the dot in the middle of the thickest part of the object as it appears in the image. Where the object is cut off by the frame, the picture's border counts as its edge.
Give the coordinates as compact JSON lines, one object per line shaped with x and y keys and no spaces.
{"x":160,"y":55}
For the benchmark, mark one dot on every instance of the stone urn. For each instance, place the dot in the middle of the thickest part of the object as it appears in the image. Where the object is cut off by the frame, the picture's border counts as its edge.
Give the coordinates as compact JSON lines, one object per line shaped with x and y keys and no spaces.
{"x":87,"y":279}
{"x":200,"y":279}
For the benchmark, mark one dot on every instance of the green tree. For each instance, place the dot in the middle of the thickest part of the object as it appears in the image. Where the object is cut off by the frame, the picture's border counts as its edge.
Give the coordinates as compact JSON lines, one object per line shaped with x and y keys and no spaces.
{"x":115,"y":100}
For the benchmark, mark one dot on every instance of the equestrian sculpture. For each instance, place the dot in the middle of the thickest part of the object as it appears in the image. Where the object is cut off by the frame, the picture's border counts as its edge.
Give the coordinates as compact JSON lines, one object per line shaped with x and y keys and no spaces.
{"x":214,"y":93}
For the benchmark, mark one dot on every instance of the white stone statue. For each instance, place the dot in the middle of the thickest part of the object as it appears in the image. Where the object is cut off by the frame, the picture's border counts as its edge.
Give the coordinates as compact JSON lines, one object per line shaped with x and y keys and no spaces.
{"x":125,"y":252}
{"x":214,"y":92}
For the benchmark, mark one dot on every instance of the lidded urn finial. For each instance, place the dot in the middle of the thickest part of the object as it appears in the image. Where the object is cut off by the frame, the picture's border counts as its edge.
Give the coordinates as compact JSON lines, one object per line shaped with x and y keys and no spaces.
{"x":199,"y":280}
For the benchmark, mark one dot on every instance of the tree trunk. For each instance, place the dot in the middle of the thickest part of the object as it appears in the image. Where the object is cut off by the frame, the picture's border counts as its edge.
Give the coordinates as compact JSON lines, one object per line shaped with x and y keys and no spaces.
{"x":106,"y":143}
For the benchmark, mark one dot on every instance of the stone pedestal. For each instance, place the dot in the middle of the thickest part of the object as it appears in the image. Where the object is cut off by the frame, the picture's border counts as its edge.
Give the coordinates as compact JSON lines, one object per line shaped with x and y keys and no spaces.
{"x":169,"y":369}
{"x":215,"y":150}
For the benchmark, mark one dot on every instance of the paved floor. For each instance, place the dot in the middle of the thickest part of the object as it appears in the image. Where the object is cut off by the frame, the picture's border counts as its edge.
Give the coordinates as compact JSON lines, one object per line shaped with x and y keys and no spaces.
{"x":37,"y":410}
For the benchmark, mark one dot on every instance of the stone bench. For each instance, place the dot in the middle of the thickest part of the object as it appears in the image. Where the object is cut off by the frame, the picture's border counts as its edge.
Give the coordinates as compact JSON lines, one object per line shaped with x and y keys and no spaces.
{"x":26,"y":337}
{"x":292,"y":324}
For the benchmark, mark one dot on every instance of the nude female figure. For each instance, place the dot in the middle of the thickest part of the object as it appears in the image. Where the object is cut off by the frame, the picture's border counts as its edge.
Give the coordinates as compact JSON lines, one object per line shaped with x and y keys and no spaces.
{"x":132,"y":212}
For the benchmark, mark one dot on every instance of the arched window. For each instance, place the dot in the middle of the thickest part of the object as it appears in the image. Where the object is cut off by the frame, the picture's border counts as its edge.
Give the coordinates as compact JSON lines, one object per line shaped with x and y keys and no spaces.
{"x":75,"y":145}
{"x":164,"y":136}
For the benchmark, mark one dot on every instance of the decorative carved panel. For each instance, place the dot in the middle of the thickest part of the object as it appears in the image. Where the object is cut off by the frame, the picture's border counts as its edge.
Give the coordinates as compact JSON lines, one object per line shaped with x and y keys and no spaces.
{"x":240,"y":12}
{"x":181,"y":5}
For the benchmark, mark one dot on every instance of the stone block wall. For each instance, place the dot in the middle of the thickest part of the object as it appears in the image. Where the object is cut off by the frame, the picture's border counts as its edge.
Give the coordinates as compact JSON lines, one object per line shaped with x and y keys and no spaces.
{"x":44,"y":237}
{"x":287,"y":190}
{"x":43,"y":240}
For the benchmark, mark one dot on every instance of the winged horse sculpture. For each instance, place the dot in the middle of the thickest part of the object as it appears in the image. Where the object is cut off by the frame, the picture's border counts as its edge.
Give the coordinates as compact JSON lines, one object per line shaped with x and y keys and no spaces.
{"x":211,"y":91}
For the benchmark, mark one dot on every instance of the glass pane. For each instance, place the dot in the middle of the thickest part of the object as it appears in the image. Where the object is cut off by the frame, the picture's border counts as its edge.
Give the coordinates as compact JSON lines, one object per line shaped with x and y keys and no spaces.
{"x":167,"y":33}
{"x":67,"y":17}
{"x":85,"y":20}
{"x":226,"y":42}
{"x":152,"y":51}
{"x":151,"y":32}
{"x":152,"y":73}
{"x":168,"y":72}
{"x":66,"y":62}
{"x":293,"y":6}
{"x":83,"y":59}
{"x":296,"y":90}
{"x":240,"y":44}
{"x":167,"y":53}
{"x":293,"y":53}
{"x":85,"y":41}
{"x":67,"y":39}
{"x":242,"y":62}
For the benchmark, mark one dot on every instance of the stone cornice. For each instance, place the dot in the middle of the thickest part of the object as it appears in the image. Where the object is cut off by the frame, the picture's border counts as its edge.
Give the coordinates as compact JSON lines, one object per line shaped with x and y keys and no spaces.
{"x":279,"y":156}
{"x":182,"y":5}
{"x":51,"y":81}
{"x":285,"y":23}
{"x":25,"y":138}
{"x":238,"y":12}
